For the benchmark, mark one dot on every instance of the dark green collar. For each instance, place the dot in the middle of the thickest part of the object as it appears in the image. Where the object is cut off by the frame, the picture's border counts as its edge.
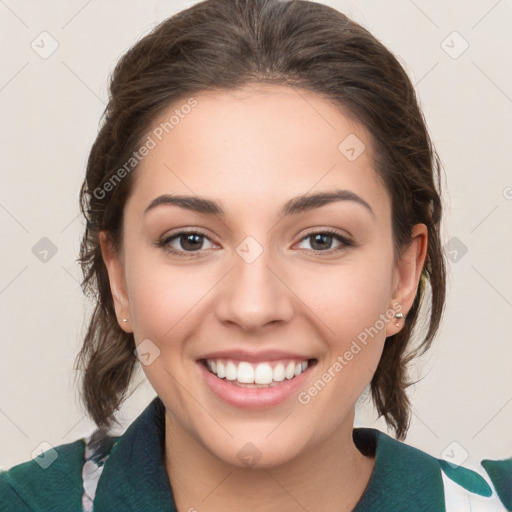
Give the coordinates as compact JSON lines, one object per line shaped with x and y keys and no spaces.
{"x":500,"y":472}
{"x":403,"y":479}
{"x":52,"y":482}
{"x":134,"y":477}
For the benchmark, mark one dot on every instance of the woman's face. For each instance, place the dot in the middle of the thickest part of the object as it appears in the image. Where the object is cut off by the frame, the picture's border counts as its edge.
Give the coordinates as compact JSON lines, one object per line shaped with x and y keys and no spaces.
{"x":257,"y":288}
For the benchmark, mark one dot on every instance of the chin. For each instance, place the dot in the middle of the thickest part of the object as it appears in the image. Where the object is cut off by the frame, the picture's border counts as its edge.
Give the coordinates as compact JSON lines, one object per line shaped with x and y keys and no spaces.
{"x":260,"y":453}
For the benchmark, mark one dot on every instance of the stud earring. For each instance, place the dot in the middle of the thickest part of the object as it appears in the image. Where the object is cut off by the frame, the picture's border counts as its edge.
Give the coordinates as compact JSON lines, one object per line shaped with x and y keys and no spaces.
{"x":398,"y":315}
{"x":125,"y":320}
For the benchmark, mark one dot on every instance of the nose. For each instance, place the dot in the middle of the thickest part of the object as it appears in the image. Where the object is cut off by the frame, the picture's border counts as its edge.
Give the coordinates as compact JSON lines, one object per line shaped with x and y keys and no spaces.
{"x":254,"y":293}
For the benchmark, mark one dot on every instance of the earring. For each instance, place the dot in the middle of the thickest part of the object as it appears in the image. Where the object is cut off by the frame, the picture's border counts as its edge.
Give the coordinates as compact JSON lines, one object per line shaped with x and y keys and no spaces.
{"x":398,"y":315}
{"x":125,"y":320}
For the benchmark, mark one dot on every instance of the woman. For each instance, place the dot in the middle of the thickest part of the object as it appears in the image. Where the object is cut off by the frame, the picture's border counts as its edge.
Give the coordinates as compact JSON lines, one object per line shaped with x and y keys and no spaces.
{"x":263,"y":224}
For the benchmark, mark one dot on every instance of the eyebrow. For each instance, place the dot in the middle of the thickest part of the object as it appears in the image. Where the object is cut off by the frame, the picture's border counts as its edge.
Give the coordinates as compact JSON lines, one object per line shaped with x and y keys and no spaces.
{"x":293,"y":206}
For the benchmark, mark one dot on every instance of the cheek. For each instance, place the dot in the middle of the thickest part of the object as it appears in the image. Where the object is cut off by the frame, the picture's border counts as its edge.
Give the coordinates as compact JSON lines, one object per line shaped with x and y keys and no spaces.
{"x":162,"y":298}
{"x":352,"y":313}
{"x":167,"y":303}
{"x":347,"y":297}
{"x":352,"y":306}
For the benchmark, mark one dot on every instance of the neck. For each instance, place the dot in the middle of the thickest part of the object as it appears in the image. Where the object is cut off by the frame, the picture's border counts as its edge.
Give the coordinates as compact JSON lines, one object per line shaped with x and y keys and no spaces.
{"x":330,"y":476}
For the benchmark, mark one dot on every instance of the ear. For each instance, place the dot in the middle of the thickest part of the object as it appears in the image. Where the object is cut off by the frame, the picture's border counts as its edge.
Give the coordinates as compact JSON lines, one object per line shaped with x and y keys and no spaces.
{"x":407,"y":275}
{"x":115,"y":269}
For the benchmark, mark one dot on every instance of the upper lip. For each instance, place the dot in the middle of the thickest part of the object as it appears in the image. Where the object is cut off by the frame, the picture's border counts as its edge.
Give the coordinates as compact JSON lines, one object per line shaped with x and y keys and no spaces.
{"x":254,"y":357}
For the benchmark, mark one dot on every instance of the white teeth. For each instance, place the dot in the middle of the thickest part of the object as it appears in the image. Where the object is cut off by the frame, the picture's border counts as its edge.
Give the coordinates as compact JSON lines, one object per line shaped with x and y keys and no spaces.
{"x":290,"y":371}
{"x":231,"y":371}
{"x":262,"y":373}
{"x":278,"y":373}
{"x":221,"y":370}
{"x":245,"y":373}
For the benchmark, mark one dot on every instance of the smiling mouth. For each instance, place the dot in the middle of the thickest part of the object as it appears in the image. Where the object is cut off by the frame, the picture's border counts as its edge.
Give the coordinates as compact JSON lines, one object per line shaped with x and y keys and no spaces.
{"x":257,"y":375}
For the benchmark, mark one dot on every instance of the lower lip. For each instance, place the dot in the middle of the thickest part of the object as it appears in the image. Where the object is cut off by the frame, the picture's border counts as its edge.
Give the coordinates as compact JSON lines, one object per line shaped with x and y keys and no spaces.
{"x":254,"y":398}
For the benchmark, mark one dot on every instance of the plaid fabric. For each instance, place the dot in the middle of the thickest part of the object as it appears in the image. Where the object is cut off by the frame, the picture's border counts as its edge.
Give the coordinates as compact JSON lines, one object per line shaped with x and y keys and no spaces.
{"x":96,"y":453}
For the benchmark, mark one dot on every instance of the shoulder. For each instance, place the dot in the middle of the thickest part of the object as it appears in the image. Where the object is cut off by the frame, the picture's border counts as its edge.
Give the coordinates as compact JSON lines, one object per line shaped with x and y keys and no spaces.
{"x":407,"y":478}
{"x":476,"y":488}
{"x":51,"y":481}
{"x":500,"y":473}
{"x":66,"y":477}
{"x":483,"y":487}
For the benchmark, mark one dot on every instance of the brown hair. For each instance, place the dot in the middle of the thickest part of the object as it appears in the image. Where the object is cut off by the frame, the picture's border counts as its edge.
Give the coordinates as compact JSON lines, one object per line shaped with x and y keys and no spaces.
{"x":223,"y":45}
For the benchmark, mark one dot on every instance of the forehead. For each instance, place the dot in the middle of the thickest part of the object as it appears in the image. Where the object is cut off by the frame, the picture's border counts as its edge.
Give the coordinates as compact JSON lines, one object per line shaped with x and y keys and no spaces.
{"x":258,"y":144}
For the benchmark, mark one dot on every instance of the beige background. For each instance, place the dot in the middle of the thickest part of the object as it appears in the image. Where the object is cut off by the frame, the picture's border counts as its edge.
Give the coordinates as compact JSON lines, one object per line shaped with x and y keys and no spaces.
{"x":49,"y":114}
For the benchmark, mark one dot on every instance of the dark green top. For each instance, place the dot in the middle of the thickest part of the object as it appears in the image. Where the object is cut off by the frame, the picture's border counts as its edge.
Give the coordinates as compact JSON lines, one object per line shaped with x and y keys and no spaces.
{"x":404,"y":478}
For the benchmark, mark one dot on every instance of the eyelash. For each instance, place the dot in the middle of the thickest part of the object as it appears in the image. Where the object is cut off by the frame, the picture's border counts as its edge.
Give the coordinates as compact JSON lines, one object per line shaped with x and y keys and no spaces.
{"x":164,"y":243}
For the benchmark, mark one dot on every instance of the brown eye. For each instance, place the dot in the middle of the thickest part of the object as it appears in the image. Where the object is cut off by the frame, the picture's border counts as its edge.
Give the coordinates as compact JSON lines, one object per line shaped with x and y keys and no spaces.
{"x":184,"y":242}
{"x":322,"y":241}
